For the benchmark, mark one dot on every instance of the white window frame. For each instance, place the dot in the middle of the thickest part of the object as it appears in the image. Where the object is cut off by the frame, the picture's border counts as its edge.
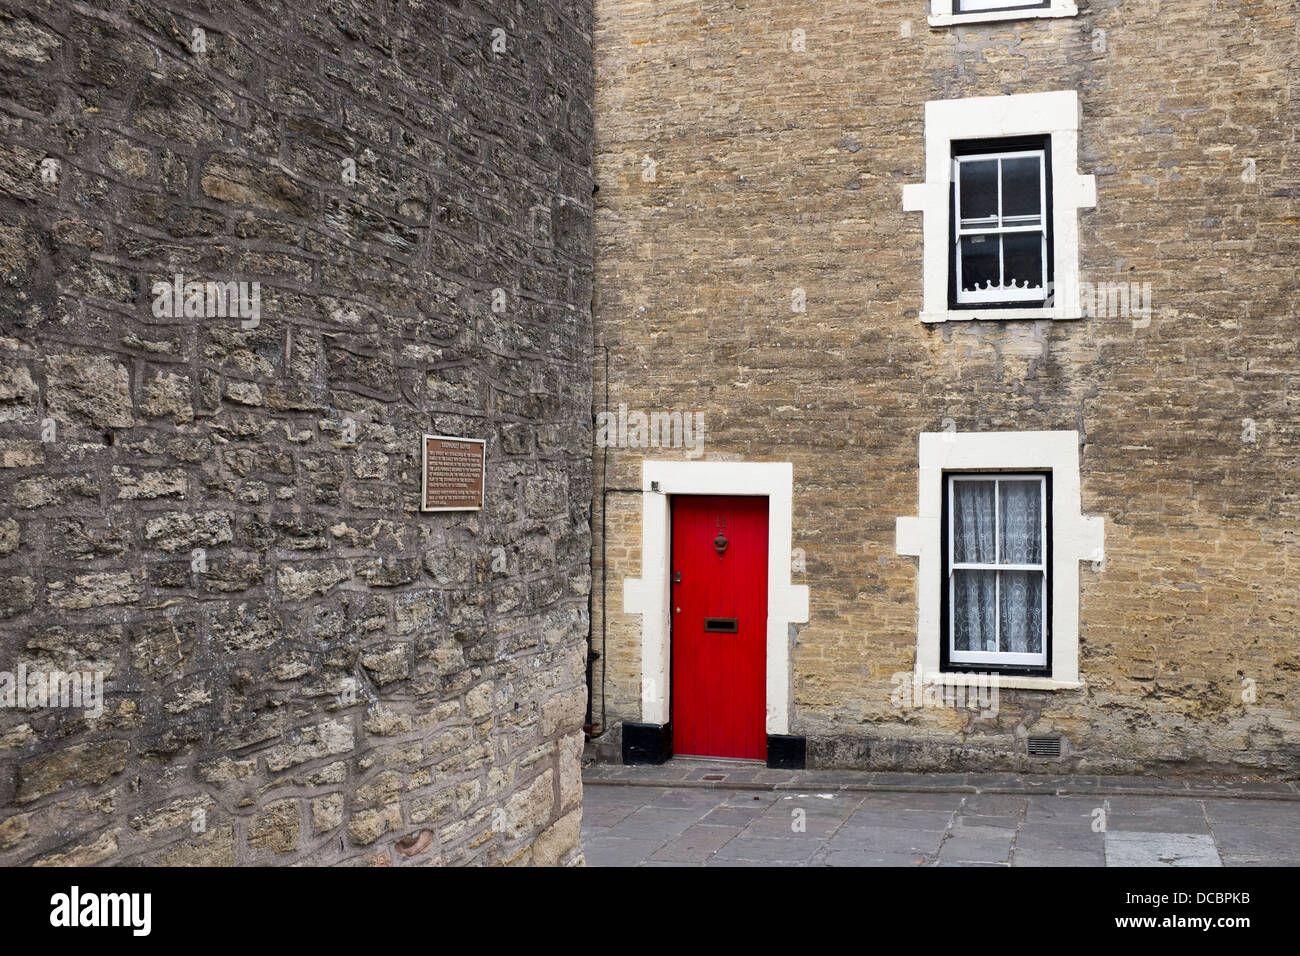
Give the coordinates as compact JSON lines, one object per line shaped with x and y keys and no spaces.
{"x":1055,"y":115}
{"x":997,"y":658}
{"x":1075,"y":538}
{"x":947,"y":13}
{"x":1000,"y":228}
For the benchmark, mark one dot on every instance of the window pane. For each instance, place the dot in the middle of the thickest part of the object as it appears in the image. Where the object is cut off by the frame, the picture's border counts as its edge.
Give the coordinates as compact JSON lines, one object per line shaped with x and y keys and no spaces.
{"x":1021,"y":187}
{"x":972,"y":522}
{"x":965,"y":6}
{"x":1020,"y":530}
{"x":1021,"y":611}
{"x":979,"y":189}
{"x":974,"y":624}
{"x":979,"y":262}
{"x":1022,"y":255}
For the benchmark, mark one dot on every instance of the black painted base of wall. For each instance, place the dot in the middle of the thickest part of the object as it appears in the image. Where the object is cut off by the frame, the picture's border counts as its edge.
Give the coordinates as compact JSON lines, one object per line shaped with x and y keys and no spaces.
{"x":647,"y":743}
{"x":787,"y":753}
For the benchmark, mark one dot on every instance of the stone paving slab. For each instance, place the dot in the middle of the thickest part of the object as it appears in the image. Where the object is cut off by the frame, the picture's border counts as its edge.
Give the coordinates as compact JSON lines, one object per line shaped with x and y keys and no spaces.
{"x":865,"y":858}
{"x":1238,"y":838}
{"x":695,"y":845}
{"x":1248,"y":859}
{"x":699,"y":815}
{"x":979,"y":820}
{"x":725,"y":816}
{"x":1079,"y":837}
{"x":1161,"y":849}
{"x":1028,"y":856}
{"x":771,"y":850}
{"x":887,"y":840}
{"x":959,"y":851}
{"x":604,"y":851}
{"x":1257,"y":813}
{"x":995,"y":804}
{"x":902,"y":818}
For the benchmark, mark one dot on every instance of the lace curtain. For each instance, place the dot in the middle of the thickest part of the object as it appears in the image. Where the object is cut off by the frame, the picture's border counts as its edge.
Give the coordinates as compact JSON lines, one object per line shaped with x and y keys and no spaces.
{"x":997,"y":522}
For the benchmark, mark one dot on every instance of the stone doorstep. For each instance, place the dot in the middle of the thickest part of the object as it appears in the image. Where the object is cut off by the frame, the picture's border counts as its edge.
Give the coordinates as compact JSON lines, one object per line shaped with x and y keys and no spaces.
{"x":839,"y":781}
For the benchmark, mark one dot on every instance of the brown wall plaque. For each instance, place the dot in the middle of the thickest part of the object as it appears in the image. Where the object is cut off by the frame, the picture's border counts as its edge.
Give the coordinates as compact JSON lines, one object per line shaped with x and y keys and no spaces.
{"x":452,"y":474}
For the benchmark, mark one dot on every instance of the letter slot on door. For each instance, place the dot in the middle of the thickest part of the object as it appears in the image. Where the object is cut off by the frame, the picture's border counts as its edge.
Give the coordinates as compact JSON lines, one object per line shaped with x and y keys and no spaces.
{"x":720,"y":625}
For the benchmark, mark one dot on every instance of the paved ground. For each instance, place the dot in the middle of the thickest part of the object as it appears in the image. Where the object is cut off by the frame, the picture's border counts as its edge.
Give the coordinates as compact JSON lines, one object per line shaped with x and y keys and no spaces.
{"x":683,"y":815}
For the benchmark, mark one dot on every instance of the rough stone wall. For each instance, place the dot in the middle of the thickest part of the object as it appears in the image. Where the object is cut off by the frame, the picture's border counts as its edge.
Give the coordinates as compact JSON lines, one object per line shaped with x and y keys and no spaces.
{"x":221,"y":515}
{"x":775,"y":170}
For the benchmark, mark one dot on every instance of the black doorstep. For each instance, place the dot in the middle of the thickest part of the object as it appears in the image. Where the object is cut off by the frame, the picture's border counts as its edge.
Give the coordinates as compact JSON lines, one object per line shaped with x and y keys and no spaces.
{"x":787,"y":753}
{"x":647,"y":743}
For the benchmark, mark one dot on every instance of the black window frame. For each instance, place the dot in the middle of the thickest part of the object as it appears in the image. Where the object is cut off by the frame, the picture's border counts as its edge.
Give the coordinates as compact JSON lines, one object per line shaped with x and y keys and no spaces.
{"x":1003,"y":144}
{"x":948,"y":666}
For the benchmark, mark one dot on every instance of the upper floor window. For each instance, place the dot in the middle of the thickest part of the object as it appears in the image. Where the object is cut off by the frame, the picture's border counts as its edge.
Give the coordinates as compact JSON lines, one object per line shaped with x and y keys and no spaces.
{"x":1001,"y":225}
{"x":1001,"y":198}
{"x":950,"y":12}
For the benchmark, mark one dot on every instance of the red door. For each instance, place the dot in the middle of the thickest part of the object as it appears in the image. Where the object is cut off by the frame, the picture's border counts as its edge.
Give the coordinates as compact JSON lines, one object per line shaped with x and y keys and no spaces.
{"x":719,"y":639}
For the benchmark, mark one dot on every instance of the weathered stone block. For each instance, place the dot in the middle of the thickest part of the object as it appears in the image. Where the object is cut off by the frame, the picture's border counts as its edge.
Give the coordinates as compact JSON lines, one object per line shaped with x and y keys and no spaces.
{"x":89,"y":390}
{"x":78,"y":765}
{"x":531,"y":806}
{"x":13,"y":830}
{"x":369,"y":825}
{"x":168,"y":395}
{"x":93,"y":590}
{"x":387,"y":664}
{"x":87,"y":854}
{"x":322,"y":740}
{"x":327,"y":812}
{"x":9,"y":536}
{"x":559,"y":842}
{"x":216,"y":847}
{"x":275,"y":828}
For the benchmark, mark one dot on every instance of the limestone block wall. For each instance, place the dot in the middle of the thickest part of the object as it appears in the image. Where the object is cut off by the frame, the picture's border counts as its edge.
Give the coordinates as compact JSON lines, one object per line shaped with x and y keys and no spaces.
{"x":217,"y":512}
{"x":752,"y":155}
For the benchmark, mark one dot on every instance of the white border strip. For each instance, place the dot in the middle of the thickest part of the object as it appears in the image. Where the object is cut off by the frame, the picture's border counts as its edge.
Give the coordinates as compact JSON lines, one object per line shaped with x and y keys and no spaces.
{"x":648,"y":595}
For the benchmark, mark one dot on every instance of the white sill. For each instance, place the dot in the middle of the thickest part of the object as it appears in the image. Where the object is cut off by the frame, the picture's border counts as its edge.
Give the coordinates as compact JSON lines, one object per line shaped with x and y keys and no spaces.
{"x":992,"y":16}
{"x":999,"y":315}
{"x":1005,"y":683}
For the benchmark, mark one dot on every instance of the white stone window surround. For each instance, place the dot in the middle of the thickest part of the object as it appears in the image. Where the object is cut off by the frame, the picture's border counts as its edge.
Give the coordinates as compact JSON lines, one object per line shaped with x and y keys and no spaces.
{"x":1054,"y":114}
{"x":942,"y":12}
{"x":1075,"y":538}
{"x":648,"y":595}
